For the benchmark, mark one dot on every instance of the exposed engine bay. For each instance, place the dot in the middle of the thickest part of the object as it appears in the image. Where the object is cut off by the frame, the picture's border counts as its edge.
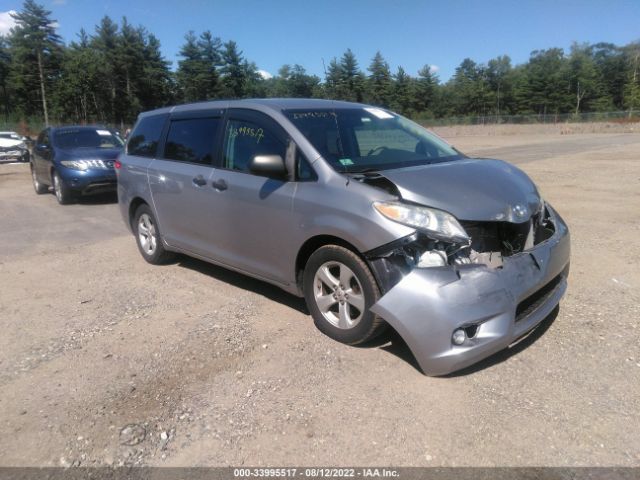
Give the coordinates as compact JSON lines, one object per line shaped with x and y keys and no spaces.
{"x":490,"y":242}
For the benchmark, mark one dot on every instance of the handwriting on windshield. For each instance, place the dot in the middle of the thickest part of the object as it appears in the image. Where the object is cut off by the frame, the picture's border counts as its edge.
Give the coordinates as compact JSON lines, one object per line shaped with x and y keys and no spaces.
{"x":305,"y":115}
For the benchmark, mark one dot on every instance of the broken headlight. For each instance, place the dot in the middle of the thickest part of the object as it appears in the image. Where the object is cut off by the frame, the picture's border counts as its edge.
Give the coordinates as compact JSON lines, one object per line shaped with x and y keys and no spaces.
{"x":435,"y":223}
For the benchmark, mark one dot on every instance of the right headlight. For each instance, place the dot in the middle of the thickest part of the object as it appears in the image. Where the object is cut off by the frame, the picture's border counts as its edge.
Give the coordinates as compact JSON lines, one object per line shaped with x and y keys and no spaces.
{"x":435,"y":223}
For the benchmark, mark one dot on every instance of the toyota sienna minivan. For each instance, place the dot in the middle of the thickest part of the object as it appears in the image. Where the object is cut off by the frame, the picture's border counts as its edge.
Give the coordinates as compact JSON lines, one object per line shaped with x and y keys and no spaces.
{"x":371,"y":218}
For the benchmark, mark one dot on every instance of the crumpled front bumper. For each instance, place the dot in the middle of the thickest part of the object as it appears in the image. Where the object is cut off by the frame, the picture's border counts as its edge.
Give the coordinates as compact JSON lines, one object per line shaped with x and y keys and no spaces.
{"x":428,"y":304}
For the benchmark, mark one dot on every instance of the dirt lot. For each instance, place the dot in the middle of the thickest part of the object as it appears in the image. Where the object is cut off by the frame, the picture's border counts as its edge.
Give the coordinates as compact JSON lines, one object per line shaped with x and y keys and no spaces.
{"x":105,"y":359}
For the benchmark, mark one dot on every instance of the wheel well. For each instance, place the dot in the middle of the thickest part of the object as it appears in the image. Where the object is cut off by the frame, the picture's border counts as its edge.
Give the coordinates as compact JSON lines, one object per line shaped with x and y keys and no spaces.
{"x":133,"y":206}
{"x":311,"y":245}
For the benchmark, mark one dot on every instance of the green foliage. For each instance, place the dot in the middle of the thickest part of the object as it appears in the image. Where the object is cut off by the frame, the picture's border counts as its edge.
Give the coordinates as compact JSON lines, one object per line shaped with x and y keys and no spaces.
{"x":119,"y":70}
{"x":36,"y":53}
{"x":293,"y":81}
{"x":402,"y":93}
{"x":379,"y":82}
{"x":631,"y":95}
{"x":197,"y":75}
{"x":344,"y":80}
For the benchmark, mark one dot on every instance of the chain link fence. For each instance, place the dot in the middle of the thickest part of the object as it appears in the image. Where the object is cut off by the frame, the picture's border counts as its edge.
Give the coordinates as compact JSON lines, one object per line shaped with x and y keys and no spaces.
{"x":615,"y":117}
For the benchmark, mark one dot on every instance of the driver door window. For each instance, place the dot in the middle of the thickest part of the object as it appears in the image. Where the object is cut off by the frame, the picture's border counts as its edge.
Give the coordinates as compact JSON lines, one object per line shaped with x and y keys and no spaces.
{"x":245,"y":139}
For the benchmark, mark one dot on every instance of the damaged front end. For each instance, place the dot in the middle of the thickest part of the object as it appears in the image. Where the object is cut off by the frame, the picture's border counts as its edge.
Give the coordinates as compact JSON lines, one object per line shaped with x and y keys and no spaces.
{"x":459,"y":299}
{"x":487,"y":243}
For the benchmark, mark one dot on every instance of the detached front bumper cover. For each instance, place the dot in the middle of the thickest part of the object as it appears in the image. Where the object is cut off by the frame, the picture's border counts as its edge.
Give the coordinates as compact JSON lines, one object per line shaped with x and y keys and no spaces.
{"x":428,"y":304}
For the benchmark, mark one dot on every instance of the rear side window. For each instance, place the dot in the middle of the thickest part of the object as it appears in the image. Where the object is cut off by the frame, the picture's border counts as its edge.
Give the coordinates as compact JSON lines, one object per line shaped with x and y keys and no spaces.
{"x":144,"y":139}
{"x":192,"y":140}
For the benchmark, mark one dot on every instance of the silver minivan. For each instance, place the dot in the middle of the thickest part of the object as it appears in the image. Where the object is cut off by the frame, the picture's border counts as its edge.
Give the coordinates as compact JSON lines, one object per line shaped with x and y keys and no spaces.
{"x":374,"y":220}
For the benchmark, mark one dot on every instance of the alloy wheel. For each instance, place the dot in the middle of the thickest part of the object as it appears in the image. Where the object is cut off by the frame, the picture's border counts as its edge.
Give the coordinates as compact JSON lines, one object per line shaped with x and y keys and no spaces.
{"x":338,"y":294}
{"x":147,"y":234}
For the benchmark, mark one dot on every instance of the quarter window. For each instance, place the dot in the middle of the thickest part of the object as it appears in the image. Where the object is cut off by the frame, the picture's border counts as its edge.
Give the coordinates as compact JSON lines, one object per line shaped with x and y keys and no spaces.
{"x":192,"y":140}
{"x":244,"y":140}
{"x":144,"y":139}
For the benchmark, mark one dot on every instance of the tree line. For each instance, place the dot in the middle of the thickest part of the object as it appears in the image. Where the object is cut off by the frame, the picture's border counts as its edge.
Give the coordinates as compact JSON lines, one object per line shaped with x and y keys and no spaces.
{"x":118,"y":70}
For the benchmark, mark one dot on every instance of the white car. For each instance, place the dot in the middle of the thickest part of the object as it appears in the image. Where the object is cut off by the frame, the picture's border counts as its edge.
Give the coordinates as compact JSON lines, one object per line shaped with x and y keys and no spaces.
{"x":13,"y":147}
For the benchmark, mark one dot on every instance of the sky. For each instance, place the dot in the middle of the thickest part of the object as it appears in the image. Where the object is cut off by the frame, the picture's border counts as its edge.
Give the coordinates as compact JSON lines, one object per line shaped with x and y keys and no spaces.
{"x":409,"y":33}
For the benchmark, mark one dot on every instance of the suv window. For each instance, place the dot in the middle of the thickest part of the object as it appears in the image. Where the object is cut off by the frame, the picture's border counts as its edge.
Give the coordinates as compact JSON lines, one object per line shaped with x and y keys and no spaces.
{"x":43,"y":138}
{"x":143,"y":141}
{"x":245,"y":139}
{"x":192,"y":140}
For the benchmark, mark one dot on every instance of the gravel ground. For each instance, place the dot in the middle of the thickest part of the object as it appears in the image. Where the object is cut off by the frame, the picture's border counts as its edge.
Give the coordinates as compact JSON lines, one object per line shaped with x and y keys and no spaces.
{"x":105,"y":359}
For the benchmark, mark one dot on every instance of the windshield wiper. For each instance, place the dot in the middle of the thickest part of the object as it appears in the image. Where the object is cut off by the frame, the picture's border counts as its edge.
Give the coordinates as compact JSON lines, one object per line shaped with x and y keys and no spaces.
{"x":366,"y":170}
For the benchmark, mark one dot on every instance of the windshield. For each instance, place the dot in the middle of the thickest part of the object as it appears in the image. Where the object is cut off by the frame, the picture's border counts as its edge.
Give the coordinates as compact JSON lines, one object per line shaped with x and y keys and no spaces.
{"x":86,"y":138}
{"x":369,"y":139}
{"x":11,"y":136}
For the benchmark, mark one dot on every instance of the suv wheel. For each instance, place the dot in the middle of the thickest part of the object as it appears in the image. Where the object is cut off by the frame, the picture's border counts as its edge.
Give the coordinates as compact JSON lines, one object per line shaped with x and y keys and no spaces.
{"x":148,"y":237}
{"x":63,"y":193}
{"x":339,"y":289}
{"x":40,"y":188}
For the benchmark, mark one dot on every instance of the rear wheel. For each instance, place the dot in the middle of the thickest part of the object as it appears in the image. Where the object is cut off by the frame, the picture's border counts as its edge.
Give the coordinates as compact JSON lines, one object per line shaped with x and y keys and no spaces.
{"x":40,"y":188}
{"x":339,"y":290}
{"x":148,"y":237}
{"x":64,"y":195}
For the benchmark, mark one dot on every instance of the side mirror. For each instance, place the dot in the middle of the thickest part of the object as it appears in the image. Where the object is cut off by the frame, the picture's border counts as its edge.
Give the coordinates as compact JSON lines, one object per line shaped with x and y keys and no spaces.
{"x":271,"y":166}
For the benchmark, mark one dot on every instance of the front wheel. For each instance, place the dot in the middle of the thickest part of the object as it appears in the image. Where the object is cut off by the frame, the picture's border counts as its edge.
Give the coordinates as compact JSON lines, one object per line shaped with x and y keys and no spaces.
{"x":64,"y":195}
{"x":339,"y":290}
{"x":40,"y":188}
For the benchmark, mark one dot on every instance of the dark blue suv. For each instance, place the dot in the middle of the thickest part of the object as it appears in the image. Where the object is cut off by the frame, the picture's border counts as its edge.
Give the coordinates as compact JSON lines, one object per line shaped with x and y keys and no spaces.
{"x":75,"y":160}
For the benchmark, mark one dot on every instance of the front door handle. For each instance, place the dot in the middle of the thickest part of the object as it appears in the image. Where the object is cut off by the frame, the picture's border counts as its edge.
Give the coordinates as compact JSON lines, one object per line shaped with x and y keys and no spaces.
{"x":199,"y":181}
{"x":219,"y":184}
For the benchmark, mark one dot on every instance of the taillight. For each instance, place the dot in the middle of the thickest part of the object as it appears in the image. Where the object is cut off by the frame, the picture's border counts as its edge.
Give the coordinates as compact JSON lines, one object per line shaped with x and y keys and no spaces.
{"x":117,"y":164}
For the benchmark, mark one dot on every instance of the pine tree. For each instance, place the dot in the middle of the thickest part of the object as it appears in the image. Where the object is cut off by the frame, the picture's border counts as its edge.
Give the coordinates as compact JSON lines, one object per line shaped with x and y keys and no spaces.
{"x":465,"y":86}
{"x":130,"y":58}
{"x":36,"y":55}
{"x":105,"y":44}
{"x":5,"y":68}
{"x":499,"y":82}
{"x":351,"y":79}
{"x":612,"y":67}
{"x":424,"y":89}
{"x":210,"y":53}
{"x":402,"y":89}
{"x":548,"y":86}
{"x":293,"y":81}
{"x":379,"y":82}
{"x":234,"y":71}
{"x":190,"y":70}
{"x":333,"y":79}
{"x":156,"y":84}
{"x":253,"y":83}
{"x":80,"y":81}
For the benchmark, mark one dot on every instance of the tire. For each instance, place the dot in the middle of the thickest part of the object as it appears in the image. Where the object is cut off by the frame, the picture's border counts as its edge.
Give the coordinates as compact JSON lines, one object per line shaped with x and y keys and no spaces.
{"x":148,"y":237}
{"x":342,"y":311}
{"x":63,"y":193}
{"x":40,"y":188}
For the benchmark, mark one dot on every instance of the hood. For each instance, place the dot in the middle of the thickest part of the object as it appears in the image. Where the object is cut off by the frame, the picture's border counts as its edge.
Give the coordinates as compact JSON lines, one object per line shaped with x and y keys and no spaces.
{"x":10,"y":142}
{"x":89,"y":153}
{"x":470,"y":189}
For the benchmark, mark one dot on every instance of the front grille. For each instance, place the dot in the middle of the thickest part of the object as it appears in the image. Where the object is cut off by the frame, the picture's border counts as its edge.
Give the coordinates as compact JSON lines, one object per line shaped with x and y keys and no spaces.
{"x":507,"y":238}
{"x":534,"y":301}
